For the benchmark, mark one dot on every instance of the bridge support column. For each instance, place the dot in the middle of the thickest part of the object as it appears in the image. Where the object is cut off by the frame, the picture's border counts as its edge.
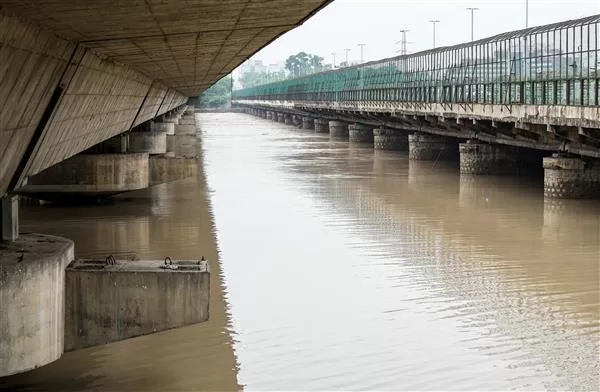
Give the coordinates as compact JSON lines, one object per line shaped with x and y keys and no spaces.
{"x":390,"y":139}
{"x":186,"y":125}
{"x":360,"y":133}
{"x":308,"y":123}
{"x":281,"y":117}
{"x":321,"y":125}
{"x":567,"y":177}
{"x":32,"y":296}
{"x":338,"y":129}
{"x":160,"y":126}
{"x":424,"y":147}
{"x":289,"y":120}
{"x":269,"y":115}
{"x":150,"y":142}
{"x":9,"y":215}
{"x":480,"y":158}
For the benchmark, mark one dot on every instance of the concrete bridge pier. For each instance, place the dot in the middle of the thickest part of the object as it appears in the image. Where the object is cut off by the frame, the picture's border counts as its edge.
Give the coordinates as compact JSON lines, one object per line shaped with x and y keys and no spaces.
{"x":167,"y":127}
{"x":360,"y":133}
{"x":569,"y":177}
{"x":186,"y":124}
{"x":275,"y":116}
{"x":289,"y":120}
{"x":32,"y":294}
{"x":308,"y":123}
{"x":481,"y":158}
{"x":269,"y":115}
{"x":321,"y":125}
{"x":153,"y":142}
{"x":425,"y":147}
{"x":281,"y":117}
{"x":390,"y":139}
{"x":297,"y":120}
{"x":338,"y":129}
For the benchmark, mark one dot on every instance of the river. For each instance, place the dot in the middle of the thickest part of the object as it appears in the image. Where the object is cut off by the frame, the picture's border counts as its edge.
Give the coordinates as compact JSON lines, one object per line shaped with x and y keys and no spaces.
{"x":336,"y":267}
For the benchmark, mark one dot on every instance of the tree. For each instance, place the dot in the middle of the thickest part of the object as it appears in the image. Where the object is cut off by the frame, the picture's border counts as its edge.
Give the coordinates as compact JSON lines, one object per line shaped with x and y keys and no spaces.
{"x":303,"y":63}
{"x":218,"y":94}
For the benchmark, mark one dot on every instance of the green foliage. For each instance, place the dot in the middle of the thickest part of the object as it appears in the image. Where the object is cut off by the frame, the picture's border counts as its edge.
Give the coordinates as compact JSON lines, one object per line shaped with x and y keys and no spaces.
{"x":303,"y":64}
{"x":253,"y":78}
{"x":218,"y":94}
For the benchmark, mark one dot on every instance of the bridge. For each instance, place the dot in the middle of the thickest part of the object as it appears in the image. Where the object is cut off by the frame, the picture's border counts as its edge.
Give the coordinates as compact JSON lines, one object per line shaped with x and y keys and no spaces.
{"x":500,"y":102}
{"x":104,"y":76}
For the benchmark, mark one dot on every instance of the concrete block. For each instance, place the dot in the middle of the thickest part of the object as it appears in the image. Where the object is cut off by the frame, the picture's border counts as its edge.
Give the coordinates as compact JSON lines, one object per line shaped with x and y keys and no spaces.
{"x":32,"y":301}
{"x":111,"y":302}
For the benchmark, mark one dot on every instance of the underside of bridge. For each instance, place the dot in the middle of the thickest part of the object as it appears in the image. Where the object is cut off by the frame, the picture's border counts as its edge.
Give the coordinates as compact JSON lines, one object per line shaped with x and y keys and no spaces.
{"x":75,"y":73}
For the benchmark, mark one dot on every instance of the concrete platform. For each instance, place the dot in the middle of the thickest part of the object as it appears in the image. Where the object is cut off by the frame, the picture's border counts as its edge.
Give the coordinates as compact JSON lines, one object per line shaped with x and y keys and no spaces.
{"x":94,"y":175}
{"x":111,"y":302}
{"x":32,"y":301}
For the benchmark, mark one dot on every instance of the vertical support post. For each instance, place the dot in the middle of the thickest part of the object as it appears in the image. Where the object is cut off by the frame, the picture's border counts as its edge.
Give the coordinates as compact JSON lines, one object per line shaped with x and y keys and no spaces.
{"x":124,"y":143}
{"x":9,"y":215}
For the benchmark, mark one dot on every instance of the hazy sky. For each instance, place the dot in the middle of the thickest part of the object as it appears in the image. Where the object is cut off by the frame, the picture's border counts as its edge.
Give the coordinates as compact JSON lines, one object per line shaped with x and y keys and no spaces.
{"x":377,"y":23}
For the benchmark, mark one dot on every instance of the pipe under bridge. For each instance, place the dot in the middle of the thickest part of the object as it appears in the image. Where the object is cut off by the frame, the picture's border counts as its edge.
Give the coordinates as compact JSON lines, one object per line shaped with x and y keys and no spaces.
{"x":536,"y":88}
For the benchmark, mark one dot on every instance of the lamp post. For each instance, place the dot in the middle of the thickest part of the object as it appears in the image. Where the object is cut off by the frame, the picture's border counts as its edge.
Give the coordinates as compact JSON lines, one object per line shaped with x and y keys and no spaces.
{"x":347,"y":50}
{"x":526,"y":14}
{"x":362,"y":59}
{"x":433,"y":22}
{"x":472,"y":9}
{"x":333,"y":54}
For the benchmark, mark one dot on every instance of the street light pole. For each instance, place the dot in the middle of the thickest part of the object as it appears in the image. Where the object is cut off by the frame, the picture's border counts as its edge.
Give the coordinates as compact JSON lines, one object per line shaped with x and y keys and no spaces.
{"x":433,"y":22}
{"x":362,"y":59}
{"x":333,"y":54}
{"x":472,"y":9}
{"x":347,"y":50}
{"x":526,"y":14}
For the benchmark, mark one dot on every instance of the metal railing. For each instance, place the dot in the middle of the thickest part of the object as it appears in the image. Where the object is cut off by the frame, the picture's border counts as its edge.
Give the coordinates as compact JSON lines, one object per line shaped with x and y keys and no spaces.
{"x":556,"y":64}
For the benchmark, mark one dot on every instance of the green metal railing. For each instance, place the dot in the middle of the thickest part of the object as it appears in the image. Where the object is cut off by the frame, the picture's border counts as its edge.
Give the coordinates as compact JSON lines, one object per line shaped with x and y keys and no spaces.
{"x":556,"y":64}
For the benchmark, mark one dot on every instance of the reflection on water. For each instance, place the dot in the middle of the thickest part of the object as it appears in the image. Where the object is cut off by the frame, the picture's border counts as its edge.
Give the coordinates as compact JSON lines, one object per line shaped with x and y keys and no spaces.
{"x":348,"y":268}
{"x":170,"y":219}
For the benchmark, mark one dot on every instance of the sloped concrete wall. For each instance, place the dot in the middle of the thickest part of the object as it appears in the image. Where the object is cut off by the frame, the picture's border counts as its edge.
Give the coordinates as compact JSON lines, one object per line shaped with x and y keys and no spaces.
{"x":99,"y":99}
{"x":32,"y":64}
